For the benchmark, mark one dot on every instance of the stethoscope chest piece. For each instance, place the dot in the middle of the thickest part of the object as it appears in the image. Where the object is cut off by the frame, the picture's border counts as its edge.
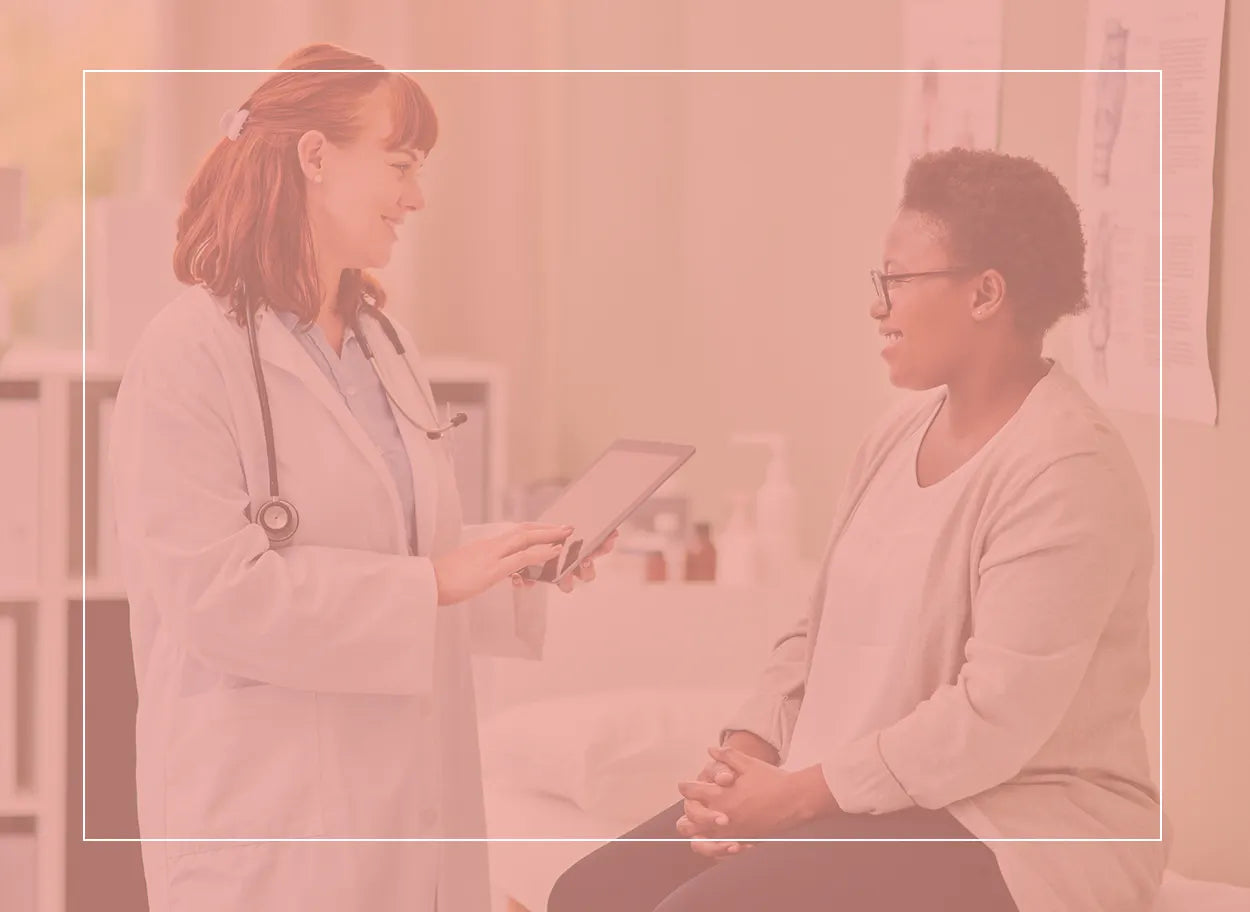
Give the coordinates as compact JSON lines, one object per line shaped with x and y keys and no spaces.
{"x":279,"y":519}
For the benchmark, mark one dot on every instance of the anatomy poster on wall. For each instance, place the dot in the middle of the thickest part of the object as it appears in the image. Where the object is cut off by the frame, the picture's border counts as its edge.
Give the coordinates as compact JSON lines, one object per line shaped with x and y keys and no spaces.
{"x":945,"y":109}
{"x":1144,"y":337}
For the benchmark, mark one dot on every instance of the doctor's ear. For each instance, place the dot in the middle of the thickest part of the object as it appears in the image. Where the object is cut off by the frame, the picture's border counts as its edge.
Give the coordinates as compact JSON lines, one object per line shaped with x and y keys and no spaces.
{"x":311,"y":151}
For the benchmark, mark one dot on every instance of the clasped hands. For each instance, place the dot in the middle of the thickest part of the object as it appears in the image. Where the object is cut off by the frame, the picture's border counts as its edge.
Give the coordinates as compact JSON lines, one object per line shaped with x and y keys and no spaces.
{"x":741,"y":793}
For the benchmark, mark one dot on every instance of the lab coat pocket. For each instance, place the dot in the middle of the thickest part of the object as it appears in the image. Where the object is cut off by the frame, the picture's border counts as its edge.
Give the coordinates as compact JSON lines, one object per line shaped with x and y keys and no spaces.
{"x":243,"y":764}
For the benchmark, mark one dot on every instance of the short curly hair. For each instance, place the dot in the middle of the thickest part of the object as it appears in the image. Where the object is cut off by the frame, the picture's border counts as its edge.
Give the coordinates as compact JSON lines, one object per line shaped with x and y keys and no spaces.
{"x":1009,"y":213}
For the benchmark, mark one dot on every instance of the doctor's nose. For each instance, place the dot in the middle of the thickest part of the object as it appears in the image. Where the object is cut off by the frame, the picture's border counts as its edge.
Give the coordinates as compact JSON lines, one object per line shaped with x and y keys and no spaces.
{"x":413,"y":199}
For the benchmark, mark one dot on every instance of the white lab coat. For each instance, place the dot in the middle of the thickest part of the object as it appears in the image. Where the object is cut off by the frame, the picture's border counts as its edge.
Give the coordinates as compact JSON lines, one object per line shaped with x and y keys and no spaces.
{"x":314,"y":690}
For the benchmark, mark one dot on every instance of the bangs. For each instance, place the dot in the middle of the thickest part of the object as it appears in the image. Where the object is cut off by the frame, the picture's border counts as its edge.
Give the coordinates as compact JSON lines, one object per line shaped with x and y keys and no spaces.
{"x":413,"y":122}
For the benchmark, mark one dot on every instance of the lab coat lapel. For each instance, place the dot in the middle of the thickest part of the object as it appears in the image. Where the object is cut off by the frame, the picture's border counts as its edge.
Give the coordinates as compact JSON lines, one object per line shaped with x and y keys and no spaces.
{"x":280,"y":349}
{"x":421,"y":450}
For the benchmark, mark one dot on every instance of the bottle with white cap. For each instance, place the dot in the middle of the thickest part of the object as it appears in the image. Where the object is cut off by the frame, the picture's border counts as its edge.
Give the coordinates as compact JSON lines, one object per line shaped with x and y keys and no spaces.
{"x":668,"y":529}
{"x":737,"y":555}
{"x":776,"y":519}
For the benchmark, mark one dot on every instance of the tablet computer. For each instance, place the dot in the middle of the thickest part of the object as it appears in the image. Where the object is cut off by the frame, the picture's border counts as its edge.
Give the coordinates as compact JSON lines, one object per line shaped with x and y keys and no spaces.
{"x":615,"y":485}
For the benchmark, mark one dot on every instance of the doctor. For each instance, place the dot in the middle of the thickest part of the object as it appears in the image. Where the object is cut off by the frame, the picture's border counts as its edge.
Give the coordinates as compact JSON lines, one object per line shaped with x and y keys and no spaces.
{"x":303,"y":596}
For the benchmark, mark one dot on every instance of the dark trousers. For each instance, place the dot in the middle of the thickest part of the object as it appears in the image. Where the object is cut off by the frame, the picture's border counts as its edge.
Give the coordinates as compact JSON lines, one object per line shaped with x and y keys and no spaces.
{"x":793,"y":876}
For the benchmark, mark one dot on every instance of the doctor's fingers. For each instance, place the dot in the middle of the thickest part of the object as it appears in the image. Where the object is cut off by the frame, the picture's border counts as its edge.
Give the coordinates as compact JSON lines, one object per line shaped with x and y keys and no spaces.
{"x":535,"y":555}
{"x":608,"y":544}
{"x":529,"y":535}
{"x":586,"y":571}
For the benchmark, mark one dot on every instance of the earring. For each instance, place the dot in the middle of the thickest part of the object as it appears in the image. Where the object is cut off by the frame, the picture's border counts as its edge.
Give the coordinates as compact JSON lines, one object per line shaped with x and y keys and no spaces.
{"x":316,"y":178}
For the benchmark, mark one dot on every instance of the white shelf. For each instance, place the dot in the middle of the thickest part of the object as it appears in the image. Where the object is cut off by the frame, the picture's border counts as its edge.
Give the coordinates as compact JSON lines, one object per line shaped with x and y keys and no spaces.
{"x":19,"y":592}
{"x":451,"y":369}
{"x":31,"y":363}
{"x":97,"y":590}
{"x":23,"y":804}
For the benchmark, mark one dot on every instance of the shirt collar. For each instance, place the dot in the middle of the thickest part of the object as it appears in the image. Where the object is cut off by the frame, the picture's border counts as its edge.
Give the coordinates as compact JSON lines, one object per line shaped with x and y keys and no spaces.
{"x":290,"y":320}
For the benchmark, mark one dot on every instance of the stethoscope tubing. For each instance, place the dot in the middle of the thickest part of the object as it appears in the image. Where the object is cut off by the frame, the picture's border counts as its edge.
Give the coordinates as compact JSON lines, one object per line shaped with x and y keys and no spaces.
{"x":278,"y":517}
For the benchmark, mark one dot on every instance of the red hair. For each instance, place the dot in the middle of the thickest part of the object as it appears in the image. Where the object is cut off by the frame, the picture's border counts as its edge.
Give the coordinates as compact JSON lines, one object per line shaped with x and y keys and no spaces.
{"x":243,"y":232}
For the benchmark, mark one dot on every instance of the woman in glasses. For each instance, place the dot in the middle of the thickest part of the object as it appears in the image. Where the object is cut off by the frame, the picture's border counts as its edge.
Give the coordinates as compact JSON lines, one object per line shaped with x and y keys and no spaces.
{"x":970,"y":668}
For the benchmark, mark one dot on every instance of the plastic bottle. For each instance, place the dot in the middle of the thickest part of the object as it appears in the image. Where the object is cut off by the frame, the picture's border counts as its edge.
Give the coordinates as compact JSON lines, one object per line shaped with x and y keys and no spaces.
{"x":776,"y":521}
{"x":668,"y":528}
{"x":737,"y":554}
{"x":701,"y":555}
{"x":656,"y":571}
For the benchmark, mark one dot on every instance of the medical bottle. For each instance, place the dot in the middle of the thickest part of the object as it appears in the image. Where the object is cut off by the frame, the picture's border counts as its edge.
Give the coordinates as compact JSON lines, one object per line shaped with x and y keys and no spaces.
{"x":668,"y":530}
{"x":776,"y":526}
{"x":701,"y":555}
{"x":736,"y":560}
{"x":655,"y":569}
{"x":776,"y":520}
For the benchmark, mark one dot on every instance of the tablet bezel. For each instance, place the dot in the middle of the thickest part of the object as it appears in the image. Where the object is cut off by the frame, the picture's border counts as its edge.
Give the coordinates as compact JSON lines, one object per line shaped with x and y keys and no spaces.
{"x":680,"y":453}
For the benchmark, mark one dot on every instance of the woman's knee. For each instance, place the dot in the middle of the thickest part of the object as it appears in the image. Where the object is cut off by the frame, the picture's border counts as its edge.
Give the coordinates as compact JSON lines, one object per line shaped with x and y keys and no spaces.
{"x":598,"y":882}
{"x":625,"y":876}
{"x":573,"y":890}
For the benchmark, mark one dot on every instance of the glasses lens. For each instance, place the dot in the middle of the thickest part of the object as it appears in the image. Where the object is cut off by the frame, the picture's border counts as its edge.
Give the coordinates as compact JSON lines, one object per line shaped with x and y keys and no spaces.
{"x":878,"y":285}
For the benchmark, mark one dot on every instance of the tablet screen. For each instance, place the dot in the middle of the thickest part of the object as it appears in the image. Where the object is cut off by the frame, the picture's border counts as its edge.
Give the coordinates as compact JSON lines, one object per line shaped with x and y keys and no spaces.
{"x":615,"y":485}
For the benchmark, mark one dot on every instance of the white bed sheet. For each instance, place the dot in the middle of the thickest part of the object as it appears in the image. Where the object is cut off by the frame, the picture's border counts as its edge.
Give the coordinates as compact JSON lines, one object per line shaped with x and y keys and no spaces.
{"x":526,"y":871}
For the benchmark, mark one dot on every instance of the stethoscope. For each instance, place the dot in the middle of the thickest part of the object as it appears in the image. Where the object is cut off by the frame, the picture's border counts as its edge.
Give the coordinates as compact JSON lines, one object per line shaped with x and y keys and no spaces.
{"x":277,"y":516}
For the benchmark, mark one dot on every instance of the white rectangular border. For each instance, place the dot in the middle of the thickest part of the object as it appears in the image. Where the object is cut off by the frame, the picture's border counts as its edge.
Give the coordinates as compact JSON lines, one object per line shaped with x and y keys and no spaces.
{"x":85,"y":838}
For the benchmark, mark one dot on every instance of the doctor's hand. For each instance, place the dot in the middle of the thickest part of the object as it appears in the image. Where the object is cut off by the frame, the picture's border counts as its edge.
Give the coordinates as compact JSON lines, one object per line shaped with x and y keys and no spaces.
{"x":586,"y":569}
{"x":475,"y":567}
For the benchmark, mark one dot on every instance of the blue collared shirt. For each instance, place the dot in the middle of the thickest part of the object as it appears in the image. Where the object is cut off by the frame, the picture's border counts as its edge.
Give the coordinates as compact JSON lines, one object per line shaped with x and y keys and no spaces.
{"x":362,"y":391}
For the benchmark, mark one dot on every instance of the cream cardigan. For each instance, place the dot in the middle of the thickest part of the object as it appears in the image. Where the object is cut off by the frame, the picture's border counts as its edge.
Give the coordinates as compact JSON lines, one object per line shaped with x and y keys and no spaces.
{"x":1036,"y":658}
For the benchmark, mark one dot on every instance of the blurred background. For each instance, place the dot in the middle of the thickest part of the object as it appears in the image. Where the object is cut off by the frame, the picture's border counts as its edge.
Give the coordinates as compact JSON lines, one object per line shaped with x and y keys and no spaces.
{"x":676,"y":256}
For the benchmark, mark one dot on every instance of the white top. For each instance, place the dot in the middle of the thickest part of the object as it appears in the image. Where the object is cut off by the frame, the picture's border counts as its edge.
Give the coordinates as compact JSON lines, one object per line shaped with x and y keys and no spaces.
{"x":1011,"y":675}
{"x":874,"y":606}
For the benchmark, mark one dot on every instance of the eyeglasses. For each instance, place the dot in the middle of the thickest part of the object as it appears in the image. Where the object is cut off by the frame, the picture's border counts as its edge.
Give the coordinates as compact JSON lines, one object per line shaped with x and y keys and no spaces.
{"x":881,"y":280}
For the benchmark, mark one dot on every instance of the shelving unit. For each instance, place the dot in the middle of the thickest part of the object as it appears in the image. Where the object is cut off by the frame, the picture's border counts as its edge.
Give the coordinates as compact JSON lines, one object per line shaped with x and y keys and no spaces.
{"x":12,"y":591}
{"x":74,"y":581}
{"x":19,"y":805}
{"x":38,"y":599}
{"x":106,"y":590}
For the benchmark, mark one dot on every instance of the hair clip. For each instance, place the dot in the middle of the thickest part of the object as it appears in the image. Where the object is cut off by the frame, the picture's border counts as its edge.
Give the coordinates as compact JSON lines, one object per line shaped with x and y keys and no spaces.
{"x":232,"y":122}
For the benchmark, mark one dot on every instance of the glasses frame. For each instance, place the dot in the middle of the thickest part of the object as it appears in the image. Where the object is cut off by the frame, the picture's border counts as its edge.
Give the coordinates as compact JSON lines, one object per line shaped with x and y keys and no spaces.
{"x":881,"y":280}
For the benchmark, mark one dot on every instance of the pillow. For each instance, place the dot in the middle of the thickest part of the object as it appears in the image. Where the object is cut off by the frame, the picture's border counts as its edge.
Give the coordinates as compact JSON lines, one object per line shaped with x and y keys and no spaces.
{"x":616,"y":754}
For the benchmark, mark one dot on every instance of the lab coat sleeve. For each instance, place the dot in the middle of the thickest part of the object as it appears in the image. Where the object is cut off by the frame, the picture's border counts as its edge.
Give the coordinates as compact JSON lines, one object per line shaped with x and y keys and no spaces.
{"x":506,"y":620}
{"x":303,"y":617}
{"x":1056,"y":562}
